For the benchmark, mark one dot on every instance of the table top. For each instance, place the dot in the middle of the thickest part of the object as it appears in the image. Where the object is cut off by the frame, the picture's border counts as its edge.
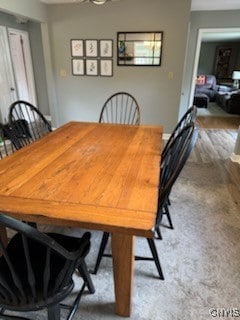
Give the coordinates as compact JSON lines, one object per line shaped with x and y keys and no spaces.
{"x":89,"y":175}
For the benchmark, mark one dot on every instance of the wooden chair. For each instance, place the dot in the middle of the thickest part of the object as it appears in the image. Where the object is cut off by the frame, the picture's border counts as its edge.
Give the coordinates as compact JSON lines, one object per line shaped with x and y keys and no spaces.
{"x":120,"y":108}
{"x":28,"y":122}
{"x":174,"y":160}
{"x":36,"y":270}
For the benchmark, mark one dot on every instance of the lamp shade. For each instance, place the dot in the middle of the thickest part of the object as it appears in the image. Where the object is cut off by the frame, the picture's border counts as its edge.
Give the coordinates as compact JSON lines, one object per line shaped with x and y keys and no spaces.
{"x":236,"y":75}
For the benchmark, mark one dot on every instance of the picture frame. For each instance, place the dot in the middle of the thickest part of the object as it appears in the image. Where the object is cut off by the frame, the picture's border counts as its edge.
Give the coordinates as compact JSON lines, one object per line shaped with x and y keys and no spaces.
{"x":106,"y":48}
{"x":77,"y":48}
{"x":139,"y":48}
{"x":106,"y":67}
{"x":91,"y":67}
{"x":78,"y":67}
{"x":91,"y":48}
{"x":222,"y":62}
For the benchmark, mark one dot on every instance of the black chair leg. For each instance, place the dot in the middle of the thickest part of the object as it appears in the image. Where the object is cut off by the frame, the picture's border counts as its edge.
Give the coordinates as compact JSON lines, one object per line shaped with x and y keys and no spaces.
{"x":168,"y":201}
{"x":158,"y":231}
{"x":82,"y":268}
{"x":168,"y":217}
{"x":54,"y":312}
{"x":101,"y":251}
{"x":155,"y":257}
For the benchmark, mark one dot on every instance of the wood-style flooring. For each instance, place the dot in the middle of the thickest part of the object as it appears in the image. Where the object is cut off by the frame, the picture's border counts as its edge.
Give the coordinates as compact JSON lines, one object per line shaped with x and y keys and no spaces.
{"x":216,"y":142}
{"x":219,"y":122}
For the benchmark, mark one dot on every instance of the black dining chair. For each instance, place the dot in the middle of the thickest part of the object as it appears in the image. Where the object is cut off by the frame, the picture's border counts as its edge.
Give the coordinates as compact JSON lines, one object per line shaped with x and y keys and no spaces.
{"x":28,"y":122}
{"x":36,"y":270}
{"x":120,"y":108}
{"x":188,"y":117}
{"x":8,"y":141}
{"x":171,"y":166}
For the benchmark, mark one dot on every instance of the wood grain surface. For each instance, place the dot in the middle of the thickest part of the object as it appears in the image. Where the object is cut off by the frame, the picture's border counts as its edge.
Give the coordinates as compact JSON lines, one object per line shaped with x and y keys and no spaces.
{"x":86,"y":174}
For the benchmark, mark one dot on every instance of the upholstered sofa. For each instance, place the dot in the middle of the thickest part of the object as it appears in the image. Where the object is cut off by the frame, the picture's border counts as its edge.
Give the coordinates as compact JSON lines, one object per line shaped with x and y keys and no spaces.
{"x":230,"y":101}
{"x":208,"y":86}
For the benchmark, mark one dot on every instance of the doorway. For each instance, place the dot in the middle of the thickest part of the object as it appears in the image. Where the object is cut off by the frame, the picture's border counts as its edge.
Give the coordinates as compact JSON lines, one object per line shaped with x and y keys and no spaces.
{"x":217,"y":34}
{"x":17,"y":81}
{"x":8,"y":93}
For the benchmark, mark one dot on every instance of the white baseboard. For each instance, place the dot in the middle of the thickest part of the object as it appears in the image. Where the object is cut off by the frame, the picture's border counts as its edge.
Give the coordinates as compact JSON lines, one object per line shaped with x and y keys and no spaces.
{"x":166,"y":136}
{"x":235,"y":157}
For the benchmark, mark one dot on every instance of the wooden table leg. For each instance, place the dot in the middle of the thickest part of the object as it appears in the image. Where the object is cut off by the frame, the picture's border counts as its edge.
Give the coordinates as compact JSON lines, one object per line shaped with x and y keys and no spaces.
{"x":123,"y":265}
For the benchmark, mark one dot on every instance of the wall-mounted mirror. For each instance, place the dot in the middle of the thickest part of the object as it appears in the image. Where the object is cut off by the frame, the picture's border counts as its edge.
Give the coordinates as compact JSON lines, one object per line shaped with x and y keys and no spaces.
{"x":139,"y":48}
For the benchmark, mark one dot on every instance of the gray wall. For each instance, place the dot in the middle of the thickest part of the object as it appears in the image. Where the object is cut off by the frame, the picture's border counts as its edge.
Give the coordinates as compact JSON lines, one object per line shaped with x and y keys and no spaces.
{"x":34,"y":31}
{"x":35,"y":36}
{"x":81,"y":98}
{"x":33,"y":9}
{"x":207,"y":58}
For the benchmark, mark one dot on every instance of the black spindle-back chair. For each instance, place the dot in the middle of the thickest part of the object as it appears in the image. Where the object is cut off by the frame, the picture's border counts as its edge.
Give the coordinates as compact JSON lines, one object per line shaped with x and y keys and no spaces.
{"x":28,"y":122}
{"x":120,"y":108}
{"x":174,"y":160}
{"x":172,"y":164}
{"x":189,"y":116}
{"x":36,"y":270}
{"x":8,"y":141}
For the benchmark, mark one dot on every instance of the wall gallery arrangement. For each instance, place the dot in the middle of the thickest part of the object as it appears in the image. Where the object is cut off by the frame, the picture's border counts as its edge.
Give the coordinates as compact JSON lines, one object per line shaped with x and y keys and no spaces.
{"x":92,"y":57}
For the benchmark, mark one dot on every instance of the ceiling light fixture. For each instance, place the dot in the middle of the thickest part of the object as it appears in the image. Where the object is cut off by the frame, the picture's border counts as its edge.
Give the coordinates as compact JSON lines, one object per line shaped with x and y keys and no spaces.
{"x":98,"y":1}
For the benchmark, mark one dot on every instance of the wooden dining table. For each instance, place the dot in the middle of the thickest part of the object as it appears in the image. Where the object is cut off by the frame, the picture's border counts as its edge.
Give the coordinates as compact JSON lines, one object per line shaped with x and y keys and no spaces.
{"x":92,"y":176}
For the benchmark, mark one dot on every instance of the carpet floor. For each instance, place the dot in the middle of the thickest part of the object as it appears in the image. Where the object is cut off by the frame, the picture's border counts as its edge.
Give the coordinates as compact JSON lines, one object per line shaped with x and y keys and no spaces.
{"x":200,"y":257}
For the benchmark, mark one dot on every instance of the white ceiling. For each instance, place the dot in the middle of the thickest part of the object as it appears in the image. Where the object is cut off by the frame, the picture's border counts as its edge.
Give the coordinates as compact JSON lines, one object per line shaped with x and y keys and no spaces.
{"x":197,"y":5}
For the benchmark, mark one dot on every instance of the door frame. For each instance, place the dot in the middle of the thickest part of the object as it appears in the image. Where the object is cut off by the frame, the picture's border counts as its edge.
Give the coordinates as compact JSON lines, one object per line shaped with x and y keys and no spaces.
{"x":201,"y":31}
{"x":10,"y":78}
{"x":28,"y":62}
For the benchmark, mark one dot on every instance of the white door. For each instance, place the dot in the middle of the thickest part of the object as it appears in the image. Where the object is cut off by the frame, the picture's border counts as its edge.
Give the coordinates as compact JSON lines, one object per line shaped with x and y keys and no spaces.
{"x":8,"y":93}
{"x":22,"y":65}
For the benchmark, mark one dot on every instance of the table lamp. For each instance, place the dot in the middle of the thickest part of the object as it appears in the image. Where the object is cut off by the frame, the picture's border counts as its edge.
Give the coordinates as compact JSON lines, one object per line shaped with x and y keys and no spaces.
{"x":236,"y":78}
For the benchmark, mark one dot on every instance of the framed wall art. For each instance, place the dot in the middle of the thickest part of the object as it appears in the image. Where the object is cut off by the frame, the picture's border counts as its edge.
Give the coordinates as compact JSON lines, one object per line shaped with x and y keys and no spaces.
{"x":91,"y":67}
{"x":77,"y":48}
{"x":223,"y":56}
{"x":91,"y":48}
{"x":106,"y":48}
{"x":106,"y":67}
{"x":92,"y":57}
{"x":78,"y":67}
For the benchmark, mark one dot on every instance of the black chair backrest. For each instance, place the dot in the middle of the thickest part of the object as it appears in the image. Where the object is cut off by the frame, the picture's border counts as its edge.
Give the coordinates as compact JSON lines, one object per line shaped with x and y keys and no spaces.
{"x":8,"y":141}
{"x":189,"y":116}
{"x":28,"y":122}
{"x":174,"y":160}
{"x":35,"y":268}
{"x":120,"y":108}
